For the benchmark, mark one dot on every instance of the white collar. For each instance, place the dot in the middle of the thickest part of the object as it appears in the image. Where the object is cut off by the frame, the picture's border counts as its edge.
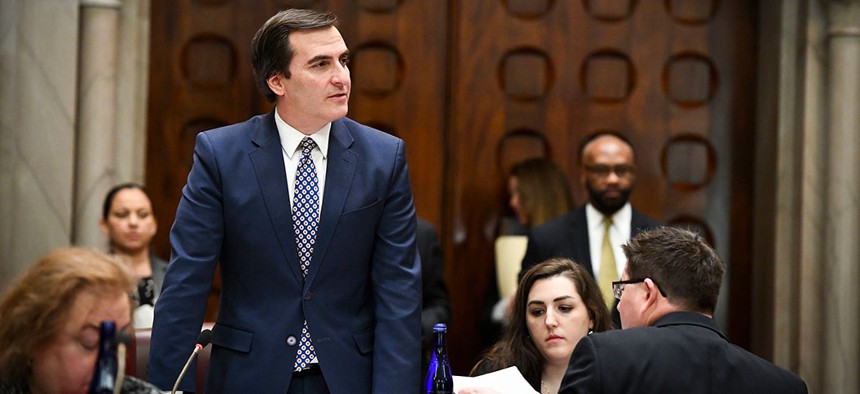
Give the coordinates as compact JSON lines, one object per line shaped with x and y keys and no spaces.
{"x":620,"y":220}
{"x":291,"y":138}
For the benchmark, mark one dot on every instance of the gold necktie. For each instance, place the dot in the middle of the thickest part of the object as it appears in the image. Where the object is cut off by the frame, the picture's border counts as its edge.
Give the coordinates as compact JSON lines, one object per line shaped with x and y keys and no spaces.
{"x":608,"y":272}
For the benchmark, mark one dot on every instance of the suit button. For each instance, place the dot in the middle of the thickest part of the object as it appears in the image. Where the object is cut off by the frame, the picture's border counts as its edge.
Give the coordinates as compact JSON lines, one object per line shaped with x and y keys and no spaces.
{"x":291,"y":340}
{"x":308,"y":296}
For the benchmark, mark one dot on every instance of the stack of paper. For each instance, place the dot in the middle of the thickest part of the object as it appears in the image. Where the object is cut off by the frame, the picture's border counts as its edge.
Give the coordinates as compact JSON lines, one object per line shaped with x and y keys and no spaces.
{"x":505,"y":381}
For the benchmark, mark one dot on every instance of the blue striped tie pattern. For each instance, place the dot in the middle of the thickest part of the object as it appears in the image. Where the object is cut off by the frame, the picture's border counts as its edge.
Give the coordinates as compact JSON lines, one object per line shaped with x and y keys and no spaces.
{"x":305,"y":220}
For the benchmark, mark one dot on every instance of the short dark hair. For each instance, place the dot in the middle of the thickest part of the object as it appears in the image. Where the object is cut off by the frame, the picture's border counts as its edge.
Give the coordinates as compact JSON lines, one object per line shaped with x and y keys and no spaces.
{"x":111,"y":194}
{"x":271,"y":51}
{"x":681,"y":263}
{"x":603,"y":133}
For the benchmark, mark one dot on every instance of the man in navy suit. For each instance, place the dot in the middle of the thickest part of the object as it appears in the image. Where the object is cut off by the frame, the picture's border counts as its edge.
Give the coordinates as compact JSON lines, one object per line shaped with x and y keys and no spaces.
{"x":608,"y":174}
{"x":311,"y":218}
{"x":670,"y":342}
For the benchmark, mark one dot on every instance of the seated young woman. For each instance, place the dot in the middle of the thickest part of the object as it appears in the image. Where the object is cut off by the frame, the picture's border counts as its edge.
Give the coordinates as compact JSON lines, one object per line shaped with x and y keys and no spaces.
{"x":556,"y":303}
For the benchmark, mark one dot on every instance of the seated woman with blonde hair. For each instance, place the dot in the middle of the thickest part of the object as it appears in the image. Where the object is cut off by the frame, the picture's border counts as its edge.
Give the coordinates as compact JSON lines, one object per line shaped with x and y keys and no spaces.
{"x":50,"y":322}
{"x":556,"y":303}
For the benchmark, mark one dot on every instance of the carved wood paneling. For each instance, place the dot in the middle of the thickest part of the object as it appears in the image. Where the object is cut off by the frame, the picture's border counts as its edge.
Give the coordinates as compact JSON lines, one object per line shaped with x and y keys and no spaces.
{"x":398,"y":77}
{"x":475,"y":86}
{"x":667,"y":74}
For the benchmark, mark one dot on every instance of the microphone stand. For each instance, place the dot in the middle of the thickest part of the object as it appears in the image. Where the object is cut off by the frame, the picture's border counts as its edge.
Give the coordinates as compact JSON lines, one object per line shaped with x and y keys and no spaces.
{"x":202,"y":341}
{"x":197,"y":348}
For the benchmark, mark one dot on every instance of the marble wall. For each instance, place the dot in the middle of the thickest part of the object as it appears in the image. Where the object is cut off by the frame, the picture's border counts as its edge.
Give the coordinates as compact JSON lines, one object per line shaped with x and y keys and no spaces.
{"x":38,"y":98}
{"x":808,"y":175}
{"x":72,"y":121}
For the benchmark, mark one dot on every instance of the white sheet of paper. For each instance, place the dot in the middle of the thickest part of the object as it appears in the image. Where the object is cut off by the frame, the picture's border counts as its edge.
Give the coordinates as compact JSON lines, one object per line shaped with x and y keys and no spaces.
{"x":505,"y":381}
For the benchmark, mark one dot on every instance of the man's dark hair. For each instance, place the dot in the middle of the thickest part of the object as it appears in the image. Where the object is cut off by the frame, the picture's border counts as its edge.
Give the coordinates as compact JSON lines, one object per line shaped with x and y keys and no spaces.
{"x":271,"y":51}
{"x":681,"y":263}
{"x":603,"y":133}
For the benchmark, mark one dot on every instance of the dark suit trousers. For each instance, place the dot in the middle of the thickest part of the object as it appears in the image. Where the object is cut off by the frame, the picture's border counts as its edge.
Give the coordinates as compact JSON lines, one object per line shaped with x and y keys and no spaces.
{"x":308,"y":382}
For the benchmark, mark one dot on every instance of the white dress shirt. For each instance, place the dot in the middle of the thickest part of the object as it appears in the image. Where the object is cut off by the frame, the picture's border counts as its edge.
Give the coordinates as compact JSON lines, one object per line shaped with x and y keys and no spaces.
{"x":291,"y":140}
{"x":619,"y":233}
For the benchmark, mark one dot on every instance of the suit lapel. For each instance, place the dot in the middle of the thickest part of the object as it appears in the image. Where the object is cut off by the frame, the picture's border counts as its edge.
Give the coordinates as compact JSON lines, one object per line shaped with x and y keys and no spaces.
{"x":268,"y":162}
{"x":340,"y":171}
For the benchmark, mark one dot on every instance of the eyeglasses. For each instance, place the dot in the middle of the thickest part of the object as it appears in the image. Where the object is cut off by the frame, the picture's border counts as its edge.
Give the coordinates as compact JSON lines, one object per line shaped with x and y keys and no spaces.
{"x":618,"y":287}
{"x":603,"y":171}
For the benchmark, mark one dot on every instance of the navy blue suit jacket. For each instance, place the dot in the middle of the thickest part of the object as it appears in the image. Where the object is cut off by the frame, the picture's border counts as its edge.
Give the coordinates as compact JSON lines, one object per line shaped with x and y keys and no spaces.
{"x":361,"y":297}
{"x":682,"y":352}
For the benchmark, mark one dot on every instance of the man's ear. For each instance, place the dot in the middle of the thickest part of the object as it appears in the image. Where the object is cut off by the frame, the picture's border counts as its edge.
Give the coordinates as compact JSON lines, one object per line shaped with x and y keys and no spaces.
{"x":652,"y":292}
{"x":276,"y":84}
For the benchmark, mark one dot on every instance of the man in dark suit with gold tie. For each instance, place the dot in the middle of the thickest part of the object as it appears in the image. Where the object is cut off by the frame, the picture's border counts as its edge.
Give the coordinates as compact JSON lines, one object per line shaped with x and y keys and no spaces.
{"x":593,"y":234}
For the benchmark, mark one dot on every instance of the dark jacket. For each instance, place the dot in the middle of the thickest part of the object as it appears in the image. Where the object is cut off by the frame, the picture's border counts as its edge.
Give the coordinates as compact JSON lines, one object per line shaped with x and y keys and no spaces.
{"x":682,"y":352}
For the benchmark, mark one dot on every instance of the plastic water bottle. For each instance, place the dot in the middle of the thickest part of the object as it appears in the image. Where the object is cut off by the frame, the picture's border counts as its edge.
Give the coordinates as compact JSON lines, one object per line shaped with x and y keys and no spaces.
{"x":104,"y":375}
{"x":439,"y":378}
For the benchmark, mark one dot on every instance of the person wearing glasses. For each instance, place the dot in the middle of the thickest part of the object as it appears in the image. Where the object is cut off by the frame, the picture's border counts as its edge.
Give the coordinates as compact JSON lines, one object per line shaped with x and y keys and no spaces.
{"x":670,"y":342}
{"x":592,"y":235}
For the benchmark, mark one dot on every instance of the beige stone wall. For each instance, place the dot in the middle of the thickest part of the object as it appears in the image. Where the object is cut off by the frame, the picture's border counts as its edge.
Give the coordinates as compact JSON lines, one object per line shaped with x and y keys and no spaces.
{"x":72,"y":121}
{"x":38,"y":99}
{"x":808,"y":172}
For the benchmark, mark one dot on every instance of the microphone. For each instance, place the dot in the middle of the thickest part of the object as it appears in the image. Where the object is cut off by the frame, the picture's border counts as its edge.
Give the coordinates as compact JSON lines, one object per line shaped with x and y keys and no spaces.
{"x":202,"y":341}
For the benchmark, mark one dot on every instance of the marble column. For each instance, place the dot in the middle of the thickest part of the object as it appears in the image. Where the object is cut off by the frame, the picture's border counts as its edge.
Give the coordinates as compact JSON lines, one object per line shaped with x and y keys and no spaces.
{"x":96,"y":142}
{"x":808,"y":216}
{"x":842,"y":236}
{"x":810,"y":323}
{"x":132,"y":87}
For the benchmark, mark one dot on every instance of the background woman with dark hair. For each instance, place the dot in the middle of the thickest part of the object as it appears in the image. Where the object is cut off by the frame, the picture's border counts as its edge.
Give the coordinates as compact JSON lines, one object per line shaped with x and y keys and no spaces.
{"x":129,"y":222}
{"x":557,"y":303}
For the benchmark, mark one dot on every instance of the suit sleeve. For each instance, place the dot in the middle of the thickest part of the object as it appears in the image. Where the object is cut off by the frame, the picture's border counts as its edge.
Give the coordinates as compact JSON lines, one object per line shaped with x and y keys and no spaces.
{"x":582,"y":375}
{"x":396,"y":277}
{"x":195,"y":239}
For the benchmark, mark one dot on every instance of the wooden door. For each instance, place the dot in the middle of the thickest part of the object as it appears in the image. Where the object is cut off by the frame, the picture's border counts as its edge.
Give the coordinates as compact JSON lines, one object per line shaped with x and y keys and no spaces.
{"x":532,"y":78}
{"x":201,"y":78}
{"x":474,"y":86}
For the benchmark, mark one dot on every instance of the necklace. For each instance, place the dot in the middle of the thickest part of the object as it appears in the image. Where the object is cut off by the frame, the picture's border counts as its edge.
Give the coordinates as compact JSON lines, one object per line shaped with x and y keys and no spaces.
{"x":543,"y":387}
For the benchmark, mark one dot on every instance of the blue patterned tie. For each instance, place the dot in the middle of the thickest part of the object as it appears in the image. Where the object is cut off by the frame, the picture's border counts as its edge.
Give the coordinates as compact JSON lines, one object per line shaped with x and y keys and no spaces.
{"x":305,"y":220}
